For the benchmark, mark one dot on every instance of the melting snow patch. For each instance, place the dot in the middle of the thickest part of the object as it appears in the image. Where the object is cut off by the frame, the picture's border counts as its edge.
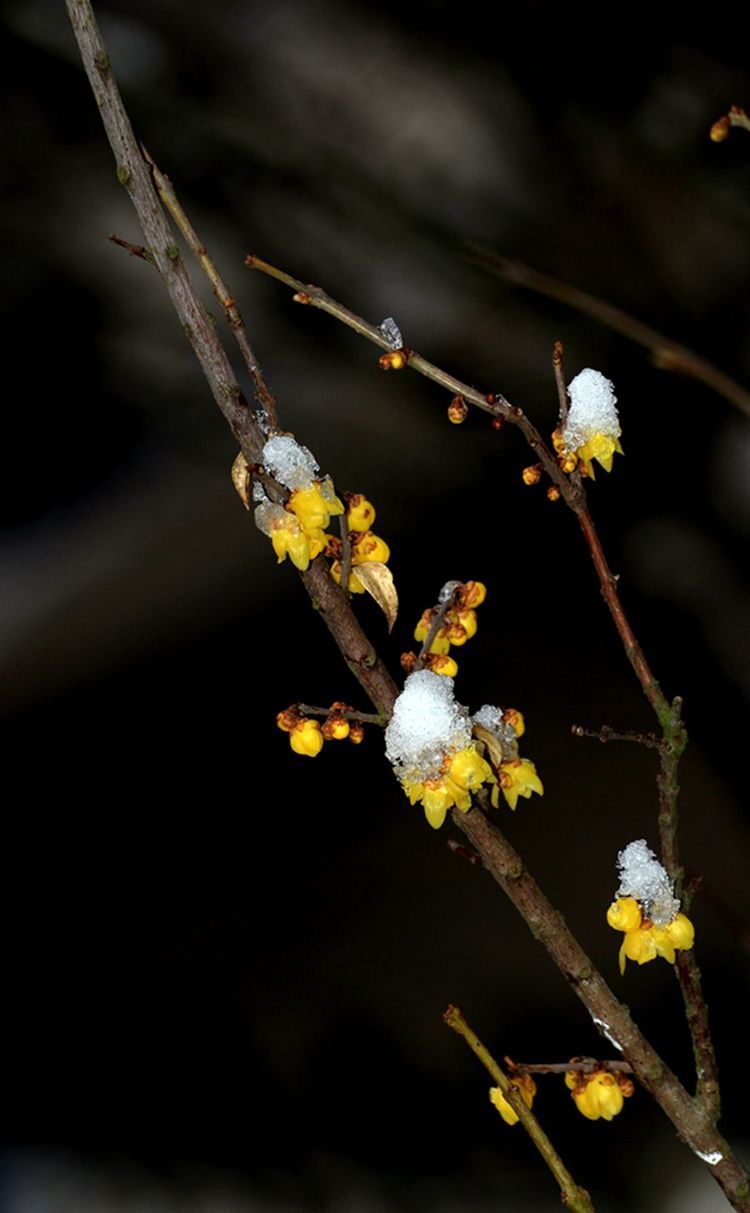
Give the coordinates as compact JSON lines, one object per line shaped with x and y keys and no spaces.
{"x":426,"y":724}
{"x":592,"y":409}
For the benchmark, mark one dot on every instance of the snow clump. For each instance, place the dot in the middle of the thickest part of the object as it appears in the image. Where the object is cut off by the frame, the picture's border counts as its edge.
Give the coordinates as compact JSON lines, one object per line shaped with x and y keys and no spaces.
{"x":426,"y":724}
{"x":289,"y":462}
{"x":643,"y":877}
{"x":592,"y":409}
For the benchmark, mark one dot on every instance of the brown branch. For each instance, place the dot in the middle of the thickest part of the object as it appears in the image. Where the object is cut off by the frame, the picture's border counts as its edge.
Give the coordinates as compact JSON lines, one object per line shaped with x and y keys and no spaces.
{"x":571,"y":1195}
{"x":666,"y":354}
{"x":438,"y":618}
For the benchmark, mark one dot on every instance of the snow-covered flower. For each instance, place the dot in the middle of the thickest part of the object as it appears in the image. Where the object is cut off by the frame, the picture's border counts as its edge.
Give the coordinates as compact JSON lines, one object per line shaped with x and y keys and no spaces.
{"x":598,"y":1095}
{"x":428,"y":743}
{"x":592,"y":427}
{"x":646,"y":910}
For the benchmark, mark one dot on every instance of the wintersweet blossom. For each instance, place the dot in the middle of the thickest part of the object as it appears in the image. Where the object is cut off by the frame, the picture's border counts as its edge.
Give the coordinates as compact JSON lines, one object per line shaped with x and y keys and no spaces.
{"x":429,"y":744}
{"x":306,"y":738}
{"x":592,"y":426}
{"x":287,"y":534}
{"x":518,"y":777}
{"x":598,"y":1095}
{"x":646,"y":910}
{"x":526,"y":1088}
{"x":366,"y":548}
{"x":315,"y":505}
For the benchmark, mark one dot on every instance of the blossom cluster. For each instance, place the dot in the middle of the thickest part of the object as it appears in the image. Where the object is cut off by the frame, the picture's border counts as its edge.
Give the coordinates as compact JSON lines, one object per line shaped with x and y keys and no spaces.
{"x":458,"y":624}
{"x":598,"y":1094}
{"x":646,"y":910}
{"x":297,"y":528}
{"x":306,"y":736}
{"x":434,"y":747}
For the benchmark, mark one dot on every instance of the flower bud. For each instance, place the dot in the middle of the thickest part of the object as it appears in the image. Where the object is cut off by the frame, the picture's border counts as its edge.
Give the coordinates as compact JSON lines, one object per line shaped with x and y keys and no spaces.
{"x":287,"y":719}
{"x":306,"y":738}
{"x":720,"y":129}
{"x":553,"y":493}
{"x":356,"y":733}
{"x":408,"y":662}
{"x":532,"y":474}
{"x":360,"y":512}
{"x":457,"y":410}
{"x":394,"y":360}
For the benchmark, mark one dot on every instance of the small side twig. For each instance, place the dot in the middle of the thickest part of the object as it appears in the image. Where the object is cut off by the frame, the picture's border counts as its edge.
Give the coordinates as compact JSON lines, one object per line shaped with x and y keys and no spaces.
{"x":559,"y":373}
{"x":309,"y":709}
{"x":437,"y":621}
{"x":135,"y":250}
{"x":572,"y":1195}
{"x":606,"y":733}
{"x":583,"y":1065}
{"x":263,"y":396}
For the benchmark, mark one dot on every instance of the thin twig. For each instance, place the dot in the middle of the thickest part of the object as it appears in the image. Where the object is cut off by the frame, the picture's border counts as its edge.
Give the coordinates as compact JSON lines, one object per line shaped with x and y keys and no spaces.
{"x":572,"y":1196}
{"x":666,"y":354}
{"x":308,"y":709}
{"x":581,"y":1065}
{"x":436,"y":622}
{"x":263,"y":396}
{"x":135,"y":250}
{"x":606,"y":733}
{"x":559,"y":373}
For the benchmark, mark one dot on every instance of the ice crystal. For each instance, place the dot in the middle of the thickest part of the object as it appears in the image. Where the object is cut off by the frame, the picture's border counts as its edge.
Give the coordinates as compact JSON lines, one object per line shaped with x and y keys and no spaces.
{"x":267,"y":513}
{"x":490,"y":718}
{"x":426,"y":724}
{"x":391,"y":333}
{"x":592,"y":409}
{"x":289,"y":462}
{"x":643,"y":877}
{"x":448,"y":591}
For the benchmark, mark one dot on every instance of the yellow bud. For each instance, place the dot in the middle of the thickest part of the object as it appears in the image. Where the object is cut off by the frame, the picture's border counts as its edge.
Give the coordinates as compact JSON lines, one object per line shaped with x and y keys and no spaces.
{"x":472,"y":593}
{"x":394,"y":360}
{"x":457,"y":410}
{"x":306,"y":738}
{"x":356,"y":733}
{"x":370,"y":547}
{"x":532,"y":474}
{"x":720,"y":129}
{"x":624,"y":914}
{"x":681,"y":932}
{"x":440,"y":663}
{"x":553,"y":493}
{"x":287,"y":719}
{"x":361,"y":512}
{"x":336,"y":728}
{"x":515,"y":719}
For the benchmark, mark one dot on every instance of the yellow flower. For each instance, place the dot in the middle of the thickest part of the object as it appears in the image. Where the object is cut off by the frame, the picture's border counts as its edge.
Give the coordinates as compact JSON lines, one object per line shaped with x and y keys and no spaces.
{"x":598,"y":1095}
{"x":518,"y":777}
{"x":360,"y":514}
{"x":526,"y":1087}
{"x":439,"y":663}
{"x":600,"y":447}
{"x":366,"y":548}
{"x":314,"y":506}
{"x":466,"y":771}
{"x":289,"y":539}
{"x":306,"y":738}
{"x":643,"y":939}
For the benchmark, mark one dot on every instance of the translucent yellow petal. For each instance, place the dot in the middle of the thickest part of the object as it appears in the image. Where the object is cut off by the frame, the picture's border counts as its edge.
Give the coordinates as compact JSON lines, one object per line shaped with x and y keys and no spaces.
{"x":624,"y":914}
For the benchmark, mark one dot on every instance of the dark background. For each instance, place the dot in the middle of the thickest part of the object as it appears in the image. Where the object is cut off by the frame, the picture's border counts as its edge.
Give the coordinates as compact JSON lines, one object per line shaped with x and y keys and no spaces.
{"x":227,"y":997}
